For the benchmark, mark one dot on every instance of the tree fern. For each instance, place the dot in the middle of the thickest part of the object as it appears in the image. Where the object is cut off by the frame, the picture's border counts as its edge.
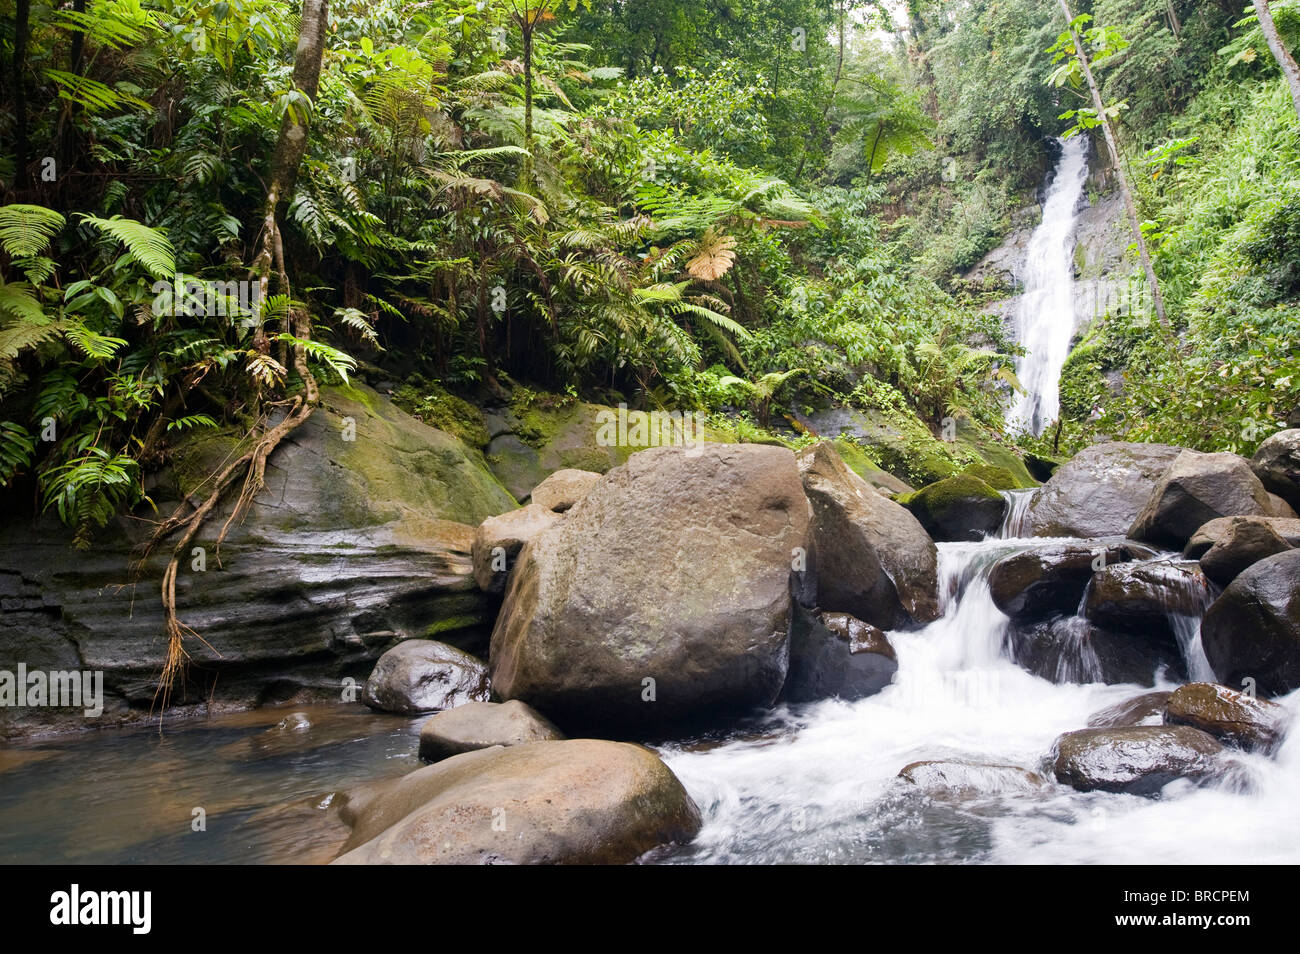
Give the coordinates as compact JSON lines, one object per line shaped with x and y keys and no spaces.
{"x":26,"y":230}
{"x":149,"y":247}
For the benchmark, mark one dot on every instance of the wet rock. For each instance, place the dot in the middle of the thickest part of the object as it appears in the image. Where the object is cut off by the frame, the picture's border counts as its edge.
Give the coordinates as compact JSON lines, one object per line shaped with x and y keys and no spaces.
{"x":1146,"y":709}
{"x":1139,"y":597}
{"x":1196,"y":489}
{"x":664,"y":596}
{"x":1137,"y":760}
{"x":1233,"y":718}
{"x":550,"y":434}
{"x":564,"y":488}
{"x":960,"y":508}
{"x":1070,"y":649}
{"x":964,"y":780}
{"x":421,"y":675}
{"x":1243,"y":544}
{"x":1100,"y":491}
{"x":1216,"y":530}
{"x":481,"y":725}
{"x":837,"y":655}
{"x":567,"y":802}
{"x":1051,"y":581}
{"x":1252,"y":631}
{"x":869,"y":556}
{"x":1277,"y":464}
{"x":498,"y":540}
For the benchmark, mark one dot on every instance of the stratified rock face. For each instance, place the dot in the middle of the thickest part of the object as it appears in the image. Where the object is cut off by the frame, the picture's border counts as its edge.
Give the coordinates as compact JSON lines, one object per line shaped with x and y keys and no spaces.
{"x":1217,"y":531}
{"x":965,"y":780}
{"x":361,"y":537}
{"x":1048,"y":581}
{"x":1233,"y":718}
{"x":1138,"y":760}
{"x":1196,"y":489}
{"x":1252,"y":632}
{"x":663,"y":596}
{"x":564,"y":488}
{"x":499,"y":539}
{"x":1242,"y":545}
{"x":838,"y":655}
{"x":1100,"y":491}
{"x":1146,"y":709}
{"x":422,"y":675}
{"x":567,"y":802}
{"x":869,"y":556}
{"x":481,"y":725}
{"x":1277,"y":465}
{"x":961,"y":508}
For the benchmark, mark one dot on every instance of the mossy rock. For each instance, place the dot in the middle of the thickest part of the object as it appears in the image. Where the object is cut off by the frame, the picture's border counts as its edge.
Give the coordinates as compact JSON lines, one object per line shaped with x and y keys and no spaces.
{"x":432,"y":404}
{"x":898,"y":441}
{"x":862,"y":464}
{"x":999,"y":478}
{"x":984,"y":446}
{"x":960,"y":508}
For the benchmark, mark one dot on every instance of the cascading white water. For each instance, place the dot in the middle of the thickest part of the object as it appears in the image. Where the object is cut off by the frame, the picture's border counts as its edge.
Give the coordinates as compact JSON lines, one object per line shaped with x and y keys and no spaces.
{"x":1044,"y":313}
{"x":818,"y":783}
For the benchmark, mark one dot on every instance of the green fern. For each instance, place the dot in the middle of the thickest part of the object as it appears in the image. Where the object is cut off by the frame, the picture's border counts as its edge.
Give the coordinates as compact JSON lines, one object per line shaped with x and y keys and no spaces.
{"x":149,"y":247}
{"x":26,"y":230}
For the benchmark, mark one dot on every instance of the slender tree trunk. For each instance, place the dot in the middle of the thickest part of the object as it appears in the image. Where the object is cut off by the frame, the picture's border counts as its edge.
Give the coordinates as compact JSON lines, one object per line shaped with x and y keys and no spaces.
{"x":830,"y":101}
{"x":1113,"y":145}
{"x":528,"y":102}
{"x":22,"y":31}
{"x":1280,"y":53}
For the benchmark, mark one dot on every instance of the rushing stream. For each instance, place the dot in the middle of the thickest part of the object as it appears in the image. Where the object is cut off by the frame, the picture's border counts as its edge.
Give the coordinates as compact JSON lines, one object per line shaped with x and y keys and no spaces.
{"x":1044,"y":313}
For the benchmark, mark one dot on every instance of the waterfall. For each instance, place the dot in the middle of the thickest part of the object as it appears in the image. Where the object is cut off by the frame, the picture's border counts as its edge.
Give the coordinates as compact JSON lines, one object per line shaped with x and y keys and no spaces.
{"x":1015,"y":522}
{"x":1044,"y":313}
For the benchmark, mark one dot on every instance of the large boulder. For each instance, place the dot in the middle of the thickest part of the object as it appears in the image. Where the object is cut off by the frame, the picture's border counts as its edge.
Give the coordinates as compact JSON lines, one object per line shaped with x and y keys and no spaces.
{"x":423,"y":675}
{"x":1142,"y":597}
{"x":1196,"y":489}
{"x":837,"y":655}
{"x":1100,"y":491}
{"x":498,"y":540}
{"x":565,"y":802}
{"x":1241,"y":546}
{"x":564,"y":488}
{"x":1234,"y":718}
{"x":1146,"y":709}
{"x":1217,"y":530}
{"x":481,"y":725}
{"x":1137,"y":760}
{"x":360,"y":537}
{"x":1070,"y":649}
{"x":1277,"y":464}
{"x":1049,"y":581}
{"x":960,"y":508}
{"x":869,"y":556}
{"x":664,"y":595}
{"x":1252,"y":631}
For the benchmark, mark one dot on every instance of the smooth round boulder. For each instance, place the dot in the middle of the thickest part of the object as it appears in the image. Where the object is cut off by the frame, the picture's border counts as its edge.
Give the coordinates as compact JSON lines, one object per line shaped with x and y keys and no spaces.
{"x":481,"y":725}
{"x":953,"y":779}
{"x":838,"y":656}
{"x":1252,"y":631}
{"x":1243,"y":544}
{"x":422,"y":675}
{"x":498,"y":540}
{"x":1196,"y":489}
{"x":1100,"y":491}
{"x":1146,"y":709}
{"x":580,"y":801}
{"x":957,"y":509}
{"x":1277,"y":465}
{"x":663,"y":597}
{"x":1048,"y":581}
{"x":1135,"y":760}
{"x":564,"y":488}
{"x":869,"y":556}
{"x":1139,"y":597}
{"x":1232,"y":717}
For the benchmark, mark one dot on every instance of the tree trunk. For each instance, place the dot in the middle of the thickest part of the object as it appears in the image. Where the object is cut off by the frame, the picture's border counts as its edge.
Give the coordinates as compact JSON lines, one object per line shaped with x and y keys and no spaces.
{"x":1113,"y":145}
{"x":22,"y":31}
{"x":1280,"y":53}
{"x":528,"y":103}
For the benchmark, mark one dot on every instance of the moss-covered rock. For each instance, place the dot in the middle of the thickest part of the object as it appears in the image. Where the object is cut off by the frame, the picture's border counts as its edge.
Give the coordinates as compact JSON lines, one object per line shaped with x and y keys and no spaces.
{"x":999,"y":478}
{"x":957,"y":508}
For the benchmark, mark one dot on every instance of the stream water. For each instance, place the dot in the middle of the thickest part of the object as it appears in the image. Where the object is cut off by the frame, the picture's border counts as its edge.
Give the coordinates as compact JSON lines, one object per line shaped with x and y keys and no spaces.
{"x":813,"y":783}
{"x":1044,"y":312}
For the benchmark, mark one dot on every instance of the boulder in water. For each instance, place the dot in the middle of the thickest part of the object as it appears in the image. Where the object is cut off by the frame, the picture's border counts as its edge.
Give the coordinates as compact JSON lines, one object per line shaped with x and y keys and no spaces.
{"x":580,"y":801}
{"x":422,"y":675}
{"x":1243,"y":544}
{"x":1196,"y":489}
{"x":481,"y":725}
{"x":664,"y":596}
{"x":1050,"y":581}
{"x":1251,"y":634}
{"x":1137,"y":760}
{"x":1140,"y":597}
{"x":1216,"y":530}
{"x":1146,"y":709}
{"x":951,"y":779}
{"x":837,"y":655}
{"x":960,"y":508}
{"x":564,"y":488}
{"x":498,"y":540}
{"x":1277,"y":464}
{"x":1233,"y":718}
{"x":1100,"y":491}
{"x":869,"y":556}
{"x":1070,"y":649}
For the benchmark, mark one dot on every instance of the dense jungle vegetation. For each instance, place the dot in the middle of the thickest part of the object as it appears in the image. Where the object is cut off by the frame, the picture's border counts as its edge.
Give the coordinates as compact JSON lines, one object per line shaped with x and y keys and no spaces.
{"x":747,"y":207}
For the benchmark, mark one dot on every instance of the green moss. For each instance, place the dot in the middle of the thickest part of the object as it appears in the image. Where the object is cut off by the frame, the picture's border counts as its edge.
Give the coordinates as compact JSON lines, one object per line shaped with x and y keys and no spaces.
{"x":999,"y":478}
{"x":438,"y":407}
{"x":937,"y":498}
{"x":451,"y":624}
